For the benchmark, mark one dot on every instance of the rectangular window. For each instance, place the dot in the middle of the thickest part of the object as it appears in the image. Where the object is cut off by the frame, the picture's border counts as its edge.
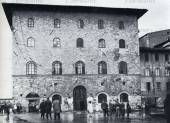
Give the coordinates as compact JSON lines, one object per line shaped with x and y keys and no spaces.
{"x":100,"y":24}
{"x":166,"y":57}
{"x":167,"y":71}
{"x":30,"y":22}
{"x":157,"y":72}
{"x":80,"y":23}
{"x":146,"y":57}
{"x":158,"y":85}
{"x":156,"y":57}
{"x":147,"y":72}
{"x":57,"y":23}
{"x":148,"y":86}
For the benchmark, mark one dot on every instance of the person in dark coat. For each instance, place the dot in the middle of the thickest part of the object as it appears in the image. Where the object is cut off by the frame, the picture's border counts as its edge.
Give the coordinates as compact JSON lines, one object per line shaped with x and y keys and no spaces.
{"x":122,"y":110}
{"x":48,"y":106}
{"x":42,"y":109}
{"x":104,"y":107}
{"x":56,"y":108}
{"x":128,"y":110}
{"x":167,"y":108}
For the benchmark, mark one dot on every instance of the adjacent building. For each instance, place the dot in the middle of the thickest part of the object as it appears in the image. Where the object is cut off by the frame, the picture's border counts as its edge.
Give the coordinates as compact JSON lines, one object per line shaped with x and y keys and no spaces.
{"x":155,"y":66}
{"x":75,"y":53}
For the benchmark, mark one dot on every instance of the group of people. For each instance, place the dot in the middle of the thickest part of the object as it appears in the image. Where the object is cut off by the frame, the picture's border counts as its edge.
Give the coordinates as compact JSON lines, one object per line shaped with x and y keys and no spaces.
{"x":46,"y":106}
{"x":117,"y":109}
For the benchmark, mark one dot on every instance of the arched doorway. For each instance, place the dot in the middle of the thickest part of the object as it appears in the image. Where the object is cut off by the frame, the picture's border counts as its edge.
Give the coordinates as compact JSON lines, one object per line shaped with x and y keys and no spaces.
{"x":80,"y":98}
{"x":102,"y":97}
{"x":124,"y":97}
{"x":33,"y":99}
{"x":56,"y":97}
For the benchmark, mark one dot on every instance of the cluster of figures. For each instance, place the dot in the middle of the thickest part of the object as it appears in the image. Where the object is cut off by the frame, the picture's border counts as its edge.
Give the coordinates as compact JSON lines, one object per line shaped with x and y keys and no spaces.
{"x":117,"y":109}
{"x":46,"y":106}
{"x":5,"y":108}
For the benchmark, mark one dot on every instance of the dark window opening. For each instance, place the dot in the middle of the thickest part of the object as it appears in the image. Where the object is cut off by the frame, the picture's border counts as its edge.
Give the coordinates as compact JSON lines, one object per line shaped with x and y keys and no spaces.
{"x":80,"y":43}
{"x":121,"y":43}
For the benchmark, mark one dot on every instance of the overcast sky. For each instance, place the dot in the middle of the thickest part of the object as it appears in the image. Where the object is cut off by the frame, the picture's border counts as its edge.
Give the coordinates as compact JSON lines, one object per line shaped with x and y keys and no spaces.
{"x":157,"y":18}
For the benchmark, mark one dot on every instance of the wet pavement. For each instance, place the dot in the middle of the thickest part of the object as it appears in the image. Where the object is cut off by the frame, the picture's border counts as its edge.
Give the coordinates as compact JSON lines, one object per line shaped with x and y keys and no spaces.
{"x":77,"y":117}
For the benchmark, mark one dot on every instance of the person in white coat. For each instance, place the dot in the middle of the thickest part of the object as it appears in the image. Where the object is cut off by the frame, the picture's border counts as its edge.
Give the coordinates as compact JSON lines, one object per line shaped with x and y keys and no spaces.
{"x":90,"y":109}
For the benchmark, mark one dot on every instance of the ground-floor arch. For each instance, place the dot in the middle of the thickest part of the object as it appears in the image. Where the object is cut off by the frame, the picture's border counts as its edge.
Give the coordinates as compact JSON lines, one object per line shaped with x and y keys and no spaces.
{"x":124,"y":97}
{"x":33,"y":101}
{"x":57,"y":97}
{"x":80,"y":98}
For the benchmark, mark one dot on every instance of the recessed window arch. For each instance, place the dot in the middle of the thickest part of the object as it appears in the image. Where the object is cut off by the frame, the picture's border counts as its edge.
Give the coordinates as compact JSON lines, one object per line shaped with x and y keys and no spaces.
{"x":57,"y":23}
{"x":56,"y":68}
{"x":30,"y":22}
{"x":122,"y":67}
{"x":121,"y":43}
{"x":79,"y":67}
{"x":80,"y":43}
{"x":100,"y":24}
{"x":121,"y":25}
{"x":102,"y":67}
{"x":102,"y":43}
{"x":56,"y":42}
{"x":30,"y":42}
{"x":80,"y":23}
{"x":31,"y":68}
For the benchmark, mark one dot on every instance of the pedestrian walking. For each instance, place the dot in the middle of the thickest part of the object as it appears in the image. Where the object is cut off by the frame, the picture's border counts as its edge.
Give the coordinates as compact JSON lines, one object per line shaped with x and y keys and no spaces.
{"x":128,"y":110}
{"x":90,"y":109}
{"x":48,"y":106}
{"x":104,"y":107}
{"x":42,"y":109}
{"x":56,"y":109}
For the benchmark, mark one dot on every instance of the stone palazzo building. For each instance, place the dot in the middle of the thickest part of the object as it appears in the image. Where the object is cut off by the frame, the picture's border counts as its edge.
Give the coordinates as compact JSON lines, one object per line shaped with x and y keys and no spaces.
{"x":78,"y":53}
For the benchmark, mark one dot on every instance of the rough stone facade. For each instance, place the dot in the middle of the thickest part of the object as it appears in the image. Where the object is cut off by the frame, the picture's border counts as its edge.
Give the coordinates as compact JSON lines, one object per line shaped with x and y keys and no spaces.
{"x":44,"y":54}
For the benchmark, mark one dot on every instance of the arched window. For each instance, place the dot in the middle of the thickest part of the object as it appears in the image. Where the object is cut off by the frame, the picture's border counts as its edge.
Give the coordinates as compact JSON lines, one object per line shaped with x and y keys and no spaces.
{"x":56,"y":23}
{"x":30,"y":22}
{"x":56,"y":68}
{"x":147,"y":72}
{"x":102,"y":43}
{"x":121,"y":25}
{"x":80,"y":67}
{"x":102,"y":67}
{"x":100,"y":24}
{"x":157,"y":71}
{"x":80,"y":23}
{"x":102,"y":97}
{"x":122,"y":67}
{"x":121,"y":43}
{"x":56,"y":42}
{"x":80,"y":42}
{"x":30,"y":42}
{"x":31,"y":68}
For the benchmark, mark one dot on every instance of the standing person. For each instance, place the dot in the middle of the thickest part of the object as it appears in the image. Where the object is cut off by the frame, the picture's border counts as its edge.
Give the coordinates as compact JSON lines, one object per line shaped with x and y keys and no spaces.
{"x":128,"y":111}
{"x":111,"y":108}
{"x":48,"y":106}
{"x":104,"y":107}
{"x":90,"y":109}
{"x":56,"y":109}
{"x":42,"y":109}
{"x":122,"y":110}
{"x":167,"y":107}
{"x":7,"y":110}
